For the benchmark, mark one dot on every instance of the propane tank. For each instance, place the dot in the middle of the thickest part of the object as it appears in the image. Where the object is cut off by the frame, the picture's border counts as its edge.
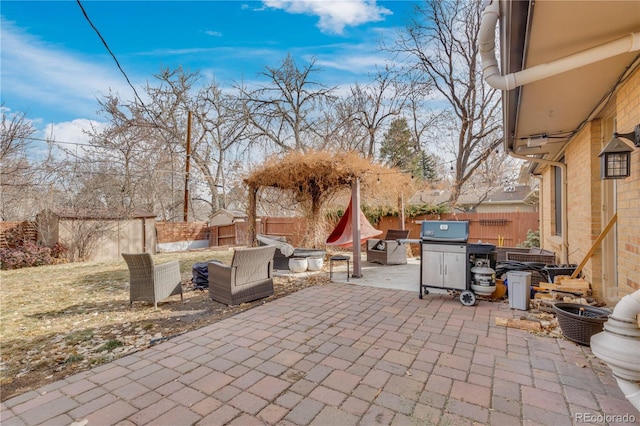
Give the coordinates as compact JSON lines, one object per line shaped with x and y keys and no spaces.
{"x":484,"y":280}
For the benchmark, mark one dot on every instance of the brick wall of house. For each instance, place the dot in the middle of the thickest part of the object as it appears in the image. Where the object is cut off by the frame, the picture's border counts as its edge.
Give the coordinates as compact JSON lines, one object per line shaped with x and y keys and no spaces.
{"x":628,"y":194}
{"x":585,"y":200}
{"x":548,"y":239}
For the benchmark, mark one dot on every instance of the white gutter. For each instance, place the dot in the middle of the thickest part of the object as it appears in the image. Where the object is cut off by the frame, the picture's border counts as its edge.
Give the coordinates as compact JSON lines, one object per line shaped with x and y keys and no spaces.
{"x":491,"y":72}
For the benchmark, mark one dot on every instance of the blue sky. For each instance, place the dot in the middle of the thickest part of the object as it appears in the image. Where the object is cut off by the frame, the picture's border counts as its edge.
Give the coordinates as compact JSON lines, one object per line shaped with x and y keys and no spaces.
{"x":54,"y":66}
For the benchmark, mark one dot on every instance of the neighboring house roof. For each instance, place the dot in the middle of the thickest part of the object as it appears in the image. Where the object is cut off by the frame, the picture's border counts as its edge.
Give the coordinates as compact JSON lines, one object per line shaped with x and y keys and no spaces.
{"x":234,"y":214}
{"x":99,"y":214}
{"x":513,"y":194}
{"x":541,"y":32}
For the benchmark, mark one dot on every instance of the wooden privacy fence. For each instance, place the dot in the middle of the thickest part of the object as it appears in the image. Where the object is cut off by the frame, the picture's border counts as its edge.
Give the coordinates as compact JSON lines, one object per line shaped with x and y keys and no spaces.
{"x":234,"y":234}
{"x":293,"y":228}
{"x":499,"y":229}
{"x":237,"y":234}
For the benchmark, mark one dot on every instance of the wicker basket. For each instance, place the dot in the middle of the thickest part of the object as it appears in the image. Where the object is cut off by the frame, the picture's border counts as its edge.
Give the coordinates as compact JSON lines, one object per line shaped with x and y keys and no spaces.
{"x":579,"y":322}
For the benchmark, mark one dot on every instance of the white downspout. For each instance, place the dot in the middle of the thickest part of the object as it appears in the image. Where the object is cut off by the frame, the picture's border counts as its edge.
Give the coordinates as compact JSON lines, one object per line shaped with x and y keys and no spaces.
{"x":619,"y":346}
{"x":564,"y":257}
{"x":491,"y":72}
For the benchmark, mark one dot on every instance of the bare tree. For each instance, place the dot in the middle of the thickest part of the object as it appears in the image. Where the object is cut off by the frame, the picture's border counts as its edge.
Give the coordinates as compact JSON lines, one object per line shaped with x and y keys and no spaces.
{"x":19,"y":176}
{"x":421,"y":116}
{"x":146,"y":144}
{"x":218,"y":127}
{"x":284,"y":113}
{"x":441,"y":42}
{"x":374,"y":104}
{"x":221,"y":116}
{"x":136,"y":161}
{"x":342,"y":131}
{"x":15,"y":130}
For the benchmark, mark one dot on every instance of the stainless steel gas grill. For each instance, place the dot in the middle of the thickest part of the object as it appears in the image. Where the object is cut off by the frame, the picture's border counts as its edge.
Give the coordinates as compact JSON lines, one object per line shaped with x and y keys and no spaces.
{"x":449,"y":262}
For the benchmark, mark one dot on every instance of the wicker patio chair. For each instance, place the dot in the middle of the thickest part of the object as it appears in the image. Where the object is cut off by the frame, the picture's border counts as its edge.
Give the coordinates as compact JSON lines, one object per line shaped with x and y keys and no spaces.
{"x":152,"y":283}
{"x":250,"y":276}
{"x":388,"y":251}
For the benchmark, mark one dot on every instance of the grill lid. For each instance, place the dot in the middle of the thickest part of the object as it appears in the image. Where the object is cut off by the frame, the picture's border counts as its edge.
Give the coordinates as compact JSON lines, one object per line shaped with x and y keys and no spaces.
{"x":443,"y":230}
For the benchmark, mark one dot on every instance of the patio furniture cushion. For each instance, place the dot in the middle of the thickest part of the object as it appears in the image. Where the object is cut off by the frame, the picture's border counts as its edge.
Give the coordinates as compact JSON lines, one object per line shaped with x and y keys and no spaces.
{"x":248,"y":278}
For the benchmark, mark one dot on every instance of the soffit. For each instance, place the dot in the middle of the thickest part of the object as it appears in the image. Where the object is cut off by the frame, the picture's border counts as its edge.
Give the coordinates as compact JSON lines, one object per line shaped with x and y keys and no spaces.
{"x":558,"y":106}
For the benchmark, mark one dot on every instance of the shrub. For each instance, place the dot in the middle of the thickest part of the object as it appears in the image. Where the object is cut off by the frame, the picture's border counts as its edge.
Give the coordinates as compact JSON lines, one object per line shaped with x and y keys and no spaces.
{"x":532,"y":239}
{"x":30,"y":254}
{"x":59,"y":251}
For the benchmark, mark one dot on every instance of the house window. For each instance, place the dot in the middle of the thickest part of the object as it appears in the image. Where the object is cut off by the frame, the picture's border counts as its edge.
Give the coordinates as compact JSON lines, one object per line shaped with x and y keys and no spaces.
{"x":557,"y":194}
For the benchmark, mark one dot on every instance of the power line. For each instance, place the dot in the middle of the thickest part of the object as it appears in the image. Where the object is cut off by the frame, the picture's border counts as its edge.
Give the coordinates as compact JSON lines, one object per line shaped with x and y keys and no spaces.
{"x":84,"y":12}
{"x":104,"y":42}
{"x":87,"y":145}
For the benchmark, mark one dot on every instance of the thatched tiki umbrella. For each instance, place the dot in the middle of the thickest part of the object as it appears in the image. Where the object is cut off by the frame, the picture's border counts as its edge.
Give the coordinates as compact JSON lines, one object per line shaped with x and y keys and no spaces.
{"x":312,"y":178}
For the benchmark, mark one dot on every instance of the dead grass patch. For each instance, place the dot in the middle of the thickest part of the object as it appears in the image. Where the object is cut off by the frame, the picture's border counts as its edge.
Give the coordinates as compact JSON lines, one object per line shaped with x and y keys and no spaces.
{"x":58,"y":320}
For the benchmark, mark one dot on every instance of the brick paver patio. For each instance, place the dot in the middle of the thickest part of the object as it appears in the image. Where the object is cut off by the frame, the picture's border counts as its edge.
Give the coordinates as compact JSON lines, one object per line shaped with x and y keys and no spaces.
{"x":341,"y":355}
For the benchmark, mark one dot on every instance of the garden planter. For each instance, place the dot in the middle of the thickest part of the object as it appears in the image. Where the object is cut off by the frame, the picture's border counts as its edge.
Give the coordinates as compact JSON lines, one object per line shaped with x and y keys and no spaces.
{"x":298,"y":264}
{"x":314,"y":264}
{"x":579,"y":322}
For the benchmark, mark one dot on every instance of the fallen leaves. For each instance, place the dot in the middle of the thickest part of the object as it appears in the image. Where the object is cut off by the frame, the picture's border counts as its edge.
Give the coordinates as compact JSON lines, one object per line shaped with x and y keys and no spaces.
{"x":60,"y":319}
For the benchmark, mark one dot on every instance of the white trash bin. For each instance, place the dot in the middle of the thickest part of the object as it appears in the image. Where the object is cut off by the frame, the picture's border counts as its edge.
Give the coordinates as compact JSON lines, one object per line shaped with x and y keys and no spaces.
{"x":519,"y":285}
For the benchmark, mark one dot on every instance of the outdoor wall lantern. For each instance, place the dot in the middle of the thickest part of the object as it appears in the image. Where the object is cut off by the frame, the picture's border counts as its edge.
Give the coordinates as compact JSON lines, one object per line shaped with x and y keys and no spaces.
{"x":615,"y":157}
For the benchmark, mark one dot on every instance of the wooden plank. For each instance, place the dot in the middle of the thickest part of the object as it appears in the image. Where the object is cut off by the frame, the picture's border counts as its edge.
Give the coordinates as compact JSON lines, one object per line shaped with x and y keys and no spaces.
{"x":595,"y":245}
{"x":571,"y":288}
{"x":539,"y":295}
{"x":572,"y":282}
{"x":519,"y":323}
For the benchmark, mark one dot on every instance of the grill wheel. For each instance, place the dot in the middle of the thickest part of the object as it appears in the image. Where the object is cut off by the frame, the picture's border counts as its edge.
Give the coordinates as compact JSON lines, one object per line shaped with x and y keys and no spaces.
{"x":468,"y":298}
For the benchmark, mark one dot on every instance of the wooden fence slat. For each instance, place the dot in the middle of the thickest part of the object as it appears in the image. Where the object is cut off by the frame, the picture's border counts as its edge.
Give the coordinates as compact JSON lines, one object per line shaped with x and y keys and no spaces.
{"x":509,"y":228}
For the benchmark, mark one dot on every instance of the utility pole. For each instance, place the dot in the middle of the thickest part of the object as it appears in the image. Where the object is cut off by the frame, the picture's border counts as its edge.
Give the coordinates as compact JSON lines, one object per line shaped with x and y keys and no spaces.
{"x":186,"y":174}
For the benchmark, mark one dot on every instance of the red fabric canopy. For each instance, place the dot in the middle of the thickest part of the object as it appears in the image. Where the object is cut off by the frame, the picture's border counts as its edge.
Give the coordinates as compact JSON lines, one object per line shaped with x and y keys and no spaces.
{"x":342,"y":235}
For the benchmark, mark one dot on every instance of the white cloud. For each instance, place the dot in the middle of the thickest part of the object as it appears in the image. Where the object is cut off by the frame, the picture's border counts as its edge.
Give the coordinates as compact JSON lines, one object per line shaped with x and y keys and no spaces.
{"x":334,"y":15}
{"x":73,"y":132}
{"x":357,"y":64}
{"x":66,"y":136}
{"x":40,"y":74}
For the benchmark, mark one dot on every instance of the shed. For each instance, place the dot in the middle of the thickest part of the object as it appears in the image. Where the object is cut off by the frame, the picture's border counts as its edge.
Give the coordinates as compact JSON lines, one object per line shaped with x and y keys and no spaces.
{"x":98,"y":234}
{"x":227,"y":217}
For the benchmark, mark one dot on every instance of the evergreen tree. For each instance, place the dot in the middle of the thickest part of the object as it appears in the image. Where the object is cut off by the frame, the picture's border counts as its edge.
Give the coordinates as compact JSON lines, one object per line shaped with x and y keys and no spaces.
{"x":397,"y":147}
{"x":427,"y":168}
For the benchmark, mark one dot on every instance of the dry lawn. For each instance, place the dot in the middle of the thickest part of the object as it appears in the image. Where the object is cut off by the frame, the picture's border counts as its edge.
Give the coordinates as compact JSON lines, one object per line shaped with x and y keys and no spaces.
{"x":61,"y":319}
